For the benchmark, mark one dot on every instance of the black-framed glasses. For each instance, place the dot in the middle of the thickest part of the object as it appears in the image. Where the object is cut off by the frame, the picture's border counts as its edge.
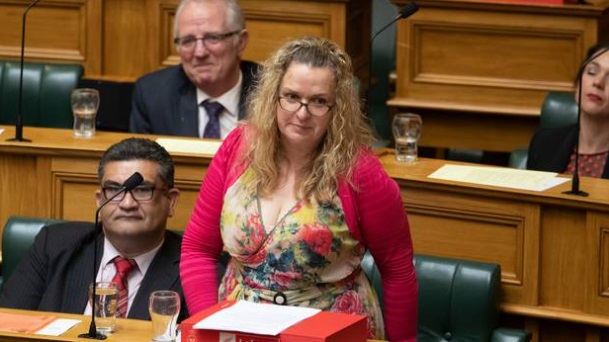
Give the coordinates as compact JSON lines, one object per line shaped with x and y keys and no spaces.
{"x":140,"y":193}
{"x":293,"y":105}
{"x":209,"y":39}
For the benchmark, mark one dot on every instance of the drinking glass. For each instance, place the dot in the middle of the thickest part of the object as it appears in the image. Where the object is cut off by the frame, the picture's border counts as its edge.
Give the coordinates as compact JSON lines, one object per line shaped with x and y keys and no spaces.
{"x":406,"y":132}
{"x":106,"y":301}
{"x":85,"y":102}
{"x":164,"y":307}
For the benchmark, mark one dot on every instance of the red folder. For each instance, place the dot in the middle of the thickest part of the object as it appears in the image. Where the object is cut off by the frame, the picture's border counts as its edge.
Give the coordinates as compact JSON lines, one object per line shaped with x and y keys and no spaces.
{"x":322,"y":327}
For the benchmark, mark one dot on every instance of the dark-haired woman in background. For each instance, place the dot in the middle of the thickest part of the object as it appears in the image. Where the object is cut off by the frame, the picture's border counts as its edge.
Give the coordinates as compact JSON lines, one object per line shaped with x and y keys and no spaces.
{"x":553,"y":149}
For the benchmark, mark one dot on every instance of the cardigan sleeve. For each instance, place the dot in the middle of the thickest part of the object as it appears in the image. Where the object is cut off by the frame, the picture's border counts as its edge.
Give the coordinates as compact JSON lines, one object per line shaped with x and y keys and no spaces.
{"x":202,"y":242}
{"x":383,"y":226}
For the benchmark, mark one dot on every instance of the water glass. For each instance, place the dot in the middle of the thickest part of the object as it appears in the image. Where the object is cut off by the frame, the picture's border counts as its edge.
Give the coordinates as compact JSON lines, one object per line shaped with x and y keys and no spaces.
{"x":85,"y":102}
{"x":106,"y":301}
{"x":406,"y":132}
{"x":164,"y":307}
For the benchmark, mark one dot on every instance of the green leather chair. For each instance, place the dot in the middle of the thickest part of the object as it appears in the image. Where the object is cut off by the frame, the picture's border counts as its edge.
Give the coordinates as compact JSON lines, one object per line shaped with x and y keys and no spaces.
{"x":18,"y":236}
{"x":458,"y":300}
{"x":558,"y":109}
{"x":46,"y":93}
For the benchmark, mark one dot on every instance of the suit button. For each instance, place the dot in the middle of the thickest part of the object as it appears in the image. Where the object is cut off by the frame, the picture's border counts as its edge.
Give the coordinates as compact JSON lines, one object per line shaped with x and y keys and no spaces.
{"x":448,"y":336}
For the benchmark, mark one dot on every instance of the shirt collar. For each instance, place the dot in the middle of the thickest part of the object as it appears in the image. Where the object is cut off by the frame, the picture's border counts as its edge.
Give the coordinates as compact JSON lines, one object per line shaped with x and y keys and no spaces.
{"x":229,"y":100}
{"x":143,"y":261}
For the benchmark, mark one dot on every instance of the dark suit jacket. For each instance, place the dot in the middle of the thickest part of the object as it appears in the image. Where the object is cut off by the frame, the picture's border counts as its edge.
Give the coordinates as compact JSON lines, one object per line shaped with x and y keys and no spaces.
{"x":551,"y":148}
{"x":56,"y":272}
{"x":165,"y":102}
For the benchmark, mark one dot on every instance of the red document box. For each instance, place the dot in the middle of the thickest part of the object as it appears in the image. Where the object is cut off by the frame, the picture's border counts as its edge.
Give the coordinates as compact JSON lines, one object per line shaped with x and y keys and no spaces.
{"x":322,"y":327}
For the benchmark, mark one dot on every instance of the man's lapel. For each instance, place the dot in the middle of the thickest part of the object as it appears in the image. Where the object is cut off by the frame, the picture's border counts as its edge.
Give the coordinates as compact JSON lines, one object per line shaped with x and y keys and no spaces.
{"x":80,"y":276}
{"x":187,"y":120}
{"x":163,"y":274}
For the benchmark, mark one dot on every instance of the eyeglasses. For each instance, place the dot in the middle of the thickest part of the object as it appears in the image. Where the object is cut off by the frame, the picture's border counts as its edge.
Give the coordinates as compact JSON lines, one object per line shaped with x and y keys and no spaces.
{"x":209,"y":40}
{"x":140,"y":193}
{"x":292,"y":104}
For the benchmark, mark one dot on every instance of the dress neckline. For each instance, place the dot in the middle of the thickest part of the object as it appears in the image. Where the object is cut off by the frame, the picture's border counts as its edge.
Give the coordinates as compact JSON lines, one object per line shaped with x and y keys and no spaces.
{"x":280,"y":221}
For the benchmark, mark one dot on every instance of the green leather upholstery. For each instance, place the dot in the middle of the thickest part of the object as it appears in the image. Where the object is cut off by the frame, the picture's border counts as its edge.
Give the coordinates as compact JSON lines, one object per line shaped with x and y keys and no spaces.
{"x":18,"y":236}
{"x":46,"y":93}
{"x":558,"y":109}
{"x":458,"y":300}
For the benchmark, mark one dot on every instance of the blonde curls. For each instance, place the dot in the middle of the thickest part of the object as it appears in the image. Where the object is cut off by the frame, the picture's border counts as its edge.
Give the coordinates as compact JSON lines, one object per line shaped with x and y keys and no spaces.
{"x":347,"y":133}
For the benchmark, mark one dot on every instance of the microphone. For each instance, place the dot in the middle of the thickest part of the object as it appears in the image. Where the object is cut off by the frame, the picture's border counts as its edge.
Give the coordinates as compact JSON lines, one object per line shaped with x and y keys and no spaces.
{"x":131,"y":182}
{"x":404,"y":13}
{"x":575,"y":180}
{"x":19,"y":118}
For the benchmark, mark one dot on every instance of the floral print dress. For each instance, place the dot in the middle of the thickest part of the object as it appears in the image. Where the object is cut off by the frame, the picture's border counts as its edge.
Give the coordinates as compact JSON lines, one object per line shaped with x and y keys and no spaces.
{"x":309,"y":258}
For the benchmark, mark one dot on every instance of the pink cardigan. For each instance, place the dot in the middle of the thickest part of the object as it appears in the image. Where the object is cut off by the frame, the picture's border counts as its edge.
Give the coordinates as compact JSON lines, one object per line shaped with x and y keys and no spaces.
{"x":374,"y":213}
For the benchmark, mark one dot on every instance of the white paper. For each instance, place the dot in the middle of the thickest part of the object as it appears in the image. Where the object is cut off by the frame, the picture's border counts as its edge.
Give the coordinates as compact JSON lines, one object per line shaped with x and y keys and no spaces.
{"x":497,"y":176}
{"x":1,"y":131}
{"x":58,"y":327}
{"x":190,"y":146}
{"x":256,"y":318}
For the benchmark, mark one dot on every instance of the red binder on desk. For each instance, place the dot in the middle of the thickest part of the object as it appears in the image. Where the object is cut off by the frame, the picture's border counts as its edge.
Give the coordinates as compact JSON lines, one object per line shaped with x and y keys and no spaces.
{"x":322,"y":327}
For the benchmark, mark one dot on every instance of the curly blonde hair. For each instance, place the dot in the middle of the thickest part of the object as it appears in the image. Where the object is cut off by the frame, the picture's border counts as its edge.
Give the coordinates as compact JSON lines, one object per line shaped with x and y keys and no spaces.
{"x":348,"y":131}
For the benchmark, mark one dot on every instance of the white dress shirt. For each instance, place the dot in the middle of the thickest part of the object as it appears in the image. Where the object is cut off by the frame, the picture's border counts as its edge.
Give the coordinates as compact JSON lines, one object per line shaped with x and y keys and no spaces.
{"x":107,"y":270}
{"x":229,"y":116}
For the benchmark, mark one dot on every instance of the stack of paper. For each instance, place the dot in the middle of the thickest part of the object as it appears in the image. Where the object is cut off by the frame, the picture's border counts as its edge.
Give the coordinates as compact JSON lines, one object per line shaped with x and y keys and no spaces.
{"x":263,"y":319}
{"x":499,"y":176}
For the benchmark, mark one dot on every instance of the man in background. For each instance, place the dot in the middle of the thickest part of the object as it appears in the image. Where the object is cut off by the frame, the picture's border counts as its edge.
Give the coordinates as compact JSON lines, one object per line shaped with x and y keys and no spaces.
{"x":56,"y":272}
{"x":205,"y":95}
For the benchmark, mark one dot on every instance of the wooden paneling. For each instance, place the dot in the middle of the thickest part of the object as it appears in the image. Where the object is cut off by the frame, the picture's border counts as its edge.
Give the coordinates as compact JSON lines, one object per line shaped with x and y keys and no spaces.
{"x":23,"y":174}
{"x":127,"y":27}
{"x":470,"y":58}
{"x":563,"y":258}
{"x":598,"y":252}
{"x":118,"y":38}
{"x":60,"y":31}
{"x":505,"y":232}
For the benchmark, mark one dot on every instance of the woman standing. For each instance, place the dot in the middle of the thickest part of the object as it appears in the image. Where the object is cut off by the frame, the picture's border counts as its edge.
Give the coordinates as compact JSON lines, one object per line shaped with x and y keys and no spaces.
{"x":296,"y":197}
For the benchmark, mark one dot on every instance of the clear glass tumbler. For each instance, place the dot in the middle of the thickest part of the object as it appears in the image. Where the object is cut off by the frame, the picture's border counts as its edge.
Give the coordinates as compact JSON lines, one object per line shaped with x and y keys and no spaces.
{"x":106,"y":300}
{"x":164,"y":307}
{"x":406,"y":132}
{"x":85,"y":102}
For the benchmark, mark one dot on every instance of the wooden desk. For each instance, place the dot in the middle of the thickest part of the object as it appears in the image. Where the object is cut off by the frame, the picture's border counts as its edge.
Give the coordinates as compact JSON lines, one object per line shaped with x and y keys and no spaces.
{"x":553,"y":248}
{"x":131,"y":330}
{"x":55,"y":175}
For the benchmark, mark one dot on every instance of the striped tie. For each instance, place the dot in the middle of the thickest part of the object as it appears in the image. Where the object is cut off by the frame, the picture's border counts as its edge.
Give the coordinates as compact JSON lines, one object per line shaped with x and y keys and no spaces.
{"x":123,"y":268}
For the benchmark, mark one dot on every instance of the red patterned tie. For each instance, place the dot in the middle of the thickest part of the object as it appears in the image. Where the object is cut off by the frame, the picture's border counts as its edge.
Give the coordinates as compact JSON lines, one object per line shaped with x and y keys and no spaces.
{"x":123,"y":268}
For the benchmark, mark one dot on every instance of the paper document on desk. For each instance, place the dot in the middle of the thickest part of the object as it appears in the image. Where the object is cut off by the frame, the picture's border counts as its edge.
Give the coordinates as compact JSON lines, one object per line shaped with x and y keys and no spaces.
{"x":256,"y":318}
{"x":496,"y":176}
{"x":1,"y":131}
{"x":58,"y":327}
{"x":190,"y":146}
{"x":35,"y":324}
